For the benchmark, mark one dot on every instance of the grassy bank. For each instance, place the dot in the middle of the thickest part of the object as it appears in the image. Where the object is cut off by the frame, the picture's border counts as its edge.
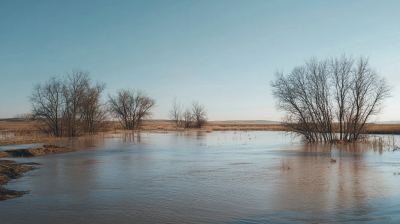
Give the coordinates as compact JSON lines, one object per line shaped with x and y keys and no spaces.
{"x":11,"y":170}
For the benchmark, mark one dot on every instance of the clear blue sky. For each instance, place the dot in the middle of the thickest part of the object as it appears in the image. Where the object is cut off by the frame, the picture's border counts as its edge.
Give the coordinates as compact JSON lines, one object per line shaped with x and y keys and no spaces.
{"x":222,"y":53}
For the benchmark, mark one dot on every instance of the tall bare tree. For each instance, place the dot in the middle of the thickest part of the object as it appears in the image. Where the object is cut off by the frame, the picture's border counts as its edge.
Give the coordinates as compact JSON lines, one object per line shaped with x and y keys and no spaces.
{"x":187,"y":119}
{"x":48,"y":104}
{"x":176,"y":113}
{"x":131,"y":107}
{"x":321,"y":93}
{"x":69,"y":106}
{"x":94,"y":112}
{"x":368,"y":92}
{"x":74,"y":90}
{"x":199,"y":114}
{"x":341,"y":71}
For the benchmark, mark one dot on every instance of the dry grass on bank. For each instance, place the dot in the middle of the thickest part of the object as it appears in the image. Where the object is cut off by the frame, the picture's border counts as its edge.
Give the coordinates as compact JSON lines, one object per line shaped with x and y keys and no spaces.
{"x":389,"y":129}
{"x":11,"y":170}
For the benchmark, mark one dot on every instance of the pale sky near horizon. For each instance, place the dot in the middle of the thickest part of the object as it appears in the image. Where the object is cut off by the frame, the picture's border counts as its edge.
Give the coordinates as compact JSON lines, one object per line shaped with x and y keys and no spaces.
{"x":223,"y":53}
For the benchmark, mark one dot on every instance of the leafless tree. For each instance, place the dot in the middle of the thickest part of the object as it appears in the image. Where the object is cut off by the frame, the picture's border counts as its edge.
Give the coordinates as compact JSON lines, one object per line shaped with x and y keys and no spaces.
{"x":69,"y":106}
{"x":199,"y":114}
{"x":188,"y":119}
{"x":176,"y":113}
{"x":368,"y":92}
{"x":94,"y":112}
{"x":320,"y":93}
{"x":131,"y":107}
{"x":74,"y":90}
{"x":341,"y":70}
{"x":48,"y":104}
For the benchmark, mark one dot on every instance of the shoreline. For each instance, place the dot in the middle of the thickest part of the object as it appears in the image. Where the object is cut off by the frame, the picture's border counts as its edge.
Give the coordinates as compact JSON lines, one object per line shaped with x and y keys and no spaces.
{"x":10,"y":170}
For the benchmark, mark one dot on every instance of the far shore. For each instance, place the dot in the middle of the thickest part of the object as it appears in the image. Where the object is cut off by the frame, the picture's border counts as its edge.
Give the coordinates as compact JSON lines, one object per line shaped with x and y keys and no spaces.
{"x":15,"y":131}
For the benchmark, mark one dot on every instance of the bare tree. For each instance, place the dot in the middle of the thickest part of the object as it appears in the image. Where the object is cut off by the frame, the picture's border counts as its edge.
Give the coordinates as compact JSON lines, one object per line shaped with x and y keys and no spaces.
{"x":176,"y":113}
{"x":320,"y":93}
{"x":69,"y":106}
{"x":199,"y":114}
{"x":188,"y":119}
{"x":48,"y":104}
{"x":304,"y":95}
{"x":341,"y":69}
{"x":74,"y":90}
{"x":131,"y":107}
{"x":368,"y":91}
{"x":94,"y":112}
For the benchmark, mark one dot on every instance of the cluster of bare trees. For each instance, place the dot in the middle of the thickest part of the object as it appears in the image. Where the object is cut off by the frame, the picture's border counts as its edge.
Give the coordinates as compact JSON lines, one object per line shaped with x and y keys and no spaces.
{"x":342,"y":93}
{"x":194,"y":116}
{"x":131,"y":107}
{"x":72,"y":105}
{"x":69,"y":105}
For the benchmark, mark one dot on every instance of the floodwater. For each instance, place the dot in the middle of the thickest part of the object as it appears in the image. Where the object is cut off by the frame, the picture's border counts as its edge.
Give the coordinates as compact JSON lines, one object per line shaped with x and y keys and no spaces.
{"x":200,"y":177}
{"x":22,"y":146}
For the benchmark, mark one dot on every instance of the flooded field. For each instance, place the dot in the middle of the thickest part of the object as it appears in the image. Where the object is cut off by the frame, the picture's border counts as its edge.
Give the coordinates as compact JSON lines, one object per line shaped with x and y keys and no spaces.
{"x":201,"y":177}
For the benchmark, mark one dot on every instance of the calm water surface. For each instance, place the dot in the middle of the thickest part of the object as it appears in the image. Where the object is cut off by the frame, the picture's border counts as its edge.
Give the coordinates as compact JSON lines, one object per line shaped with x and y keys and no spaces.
{"x":200,"y":177}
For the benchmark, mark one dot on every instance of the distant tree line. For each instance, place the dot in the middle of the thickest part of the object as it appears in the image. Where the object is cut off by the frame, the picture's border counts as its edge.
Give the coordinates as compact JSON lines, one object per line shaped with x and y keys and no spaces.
{"x":332,"y":99}
{"x":72,"y":105}
{"x":23,"y":116}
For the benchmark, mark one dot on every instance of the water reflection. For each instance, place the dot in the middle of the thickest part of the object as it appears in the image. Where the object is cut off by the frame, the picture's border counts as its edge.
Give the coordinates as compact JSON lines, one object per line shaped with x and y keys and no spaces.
{"x":195,"y":135}
{"x":131,"y":137}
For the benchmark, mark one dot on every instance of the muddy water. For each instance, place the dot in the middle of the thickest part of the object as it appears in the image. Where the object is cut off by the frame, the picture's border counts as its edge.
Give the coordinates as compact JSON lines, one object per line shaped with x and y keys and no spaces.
{"x":200,"y":177}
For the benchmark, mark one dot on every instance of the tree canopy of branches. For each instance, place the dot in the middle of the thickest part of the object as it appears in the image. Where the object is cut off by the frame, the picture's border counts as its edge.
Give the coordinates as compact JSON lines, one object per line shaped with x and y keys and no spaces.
{"x":199,"y":114}
{"x":176,"y":113}
{"x":69,"y":105}
{"x":94,"y":112}
{"x":194,"y":116}
{"x":131,"y":107}
{"x":323,"y":94}
{"x":75,"y":87}
{"x":48,"y":104}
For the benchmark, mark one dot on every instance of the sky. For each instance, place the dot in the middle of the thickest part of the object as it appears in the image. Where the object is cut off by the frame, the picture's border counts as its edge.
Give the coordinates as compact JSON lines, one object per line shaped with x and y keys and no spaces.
{"x":223,"y":54}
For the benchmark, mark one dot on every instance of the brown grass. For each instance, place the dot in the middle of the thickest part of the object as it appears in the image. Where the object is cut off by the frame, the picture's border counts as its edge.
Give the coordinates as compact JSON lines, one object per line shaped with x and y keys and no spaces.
{"x":383,"y":129}
{"x":11,"y":170}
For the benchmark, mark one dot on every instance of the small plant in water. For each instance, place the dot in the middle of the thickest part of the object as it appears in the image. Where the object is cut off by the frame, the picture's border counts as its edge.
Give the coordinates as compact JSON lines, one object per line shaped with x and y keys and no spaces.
{"x":286,"y":165}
